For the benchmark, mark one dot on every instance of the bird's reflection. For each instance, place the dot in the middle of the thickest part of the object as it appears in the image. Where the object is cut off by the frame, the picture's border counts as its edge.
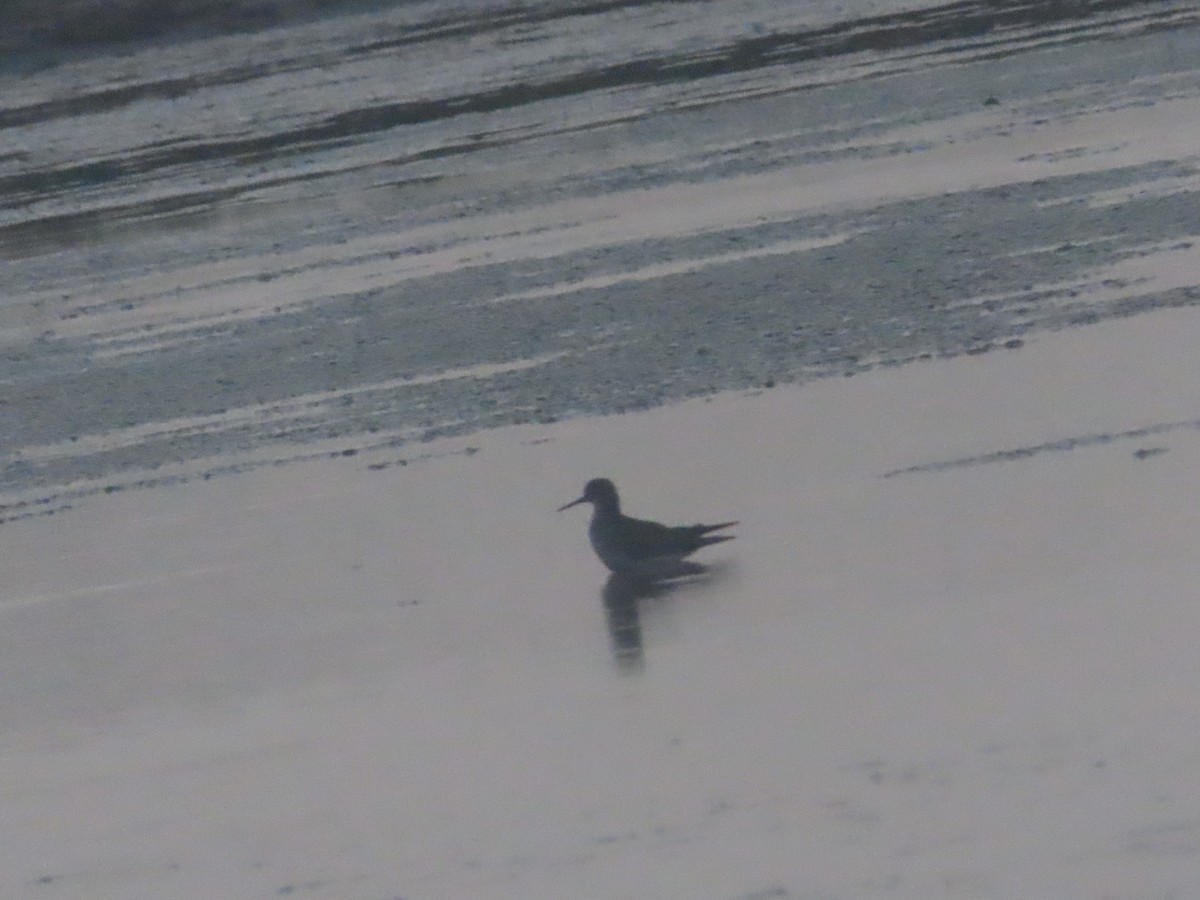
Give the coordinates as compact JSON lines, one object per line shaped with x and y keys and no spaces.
{"x":623,"y":593}
{"x":620,"y":596}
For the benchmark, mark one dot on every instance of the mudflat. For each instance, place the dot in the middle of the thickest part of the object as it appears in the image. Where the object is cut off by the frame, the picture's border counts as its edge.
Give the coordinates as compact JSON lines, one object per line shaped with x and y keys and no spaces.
{"x":314,"y":329}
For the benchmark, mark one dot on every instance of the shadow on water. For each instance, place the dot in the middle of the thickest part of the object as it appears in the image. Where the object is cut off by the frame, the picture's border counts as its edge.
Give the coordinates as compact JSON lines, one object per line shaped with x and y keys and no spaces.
{"x":623,"y":594}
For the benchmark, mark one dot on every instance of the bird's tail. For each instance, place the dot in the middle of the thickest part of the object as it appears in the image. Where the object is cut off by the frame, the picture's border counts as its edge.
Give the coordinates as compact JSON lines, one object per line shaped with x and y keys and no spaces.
{"x":702,"y":530}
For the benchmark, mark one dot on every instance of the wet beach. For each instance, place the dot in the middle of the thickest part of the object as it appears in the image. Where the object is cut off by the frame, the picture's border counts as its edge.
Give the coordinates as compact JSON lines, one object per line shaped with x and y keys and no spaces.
{"x":385,"y":229}
{"x":308,"y":330}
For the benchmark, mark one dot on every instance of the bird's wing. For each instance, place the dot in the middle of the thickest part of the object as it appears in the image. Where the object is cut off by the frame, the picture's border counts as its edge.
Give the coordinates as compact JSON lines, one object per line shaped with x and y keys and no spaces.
{"x":641,"y":539}
{"x":705,"y":529}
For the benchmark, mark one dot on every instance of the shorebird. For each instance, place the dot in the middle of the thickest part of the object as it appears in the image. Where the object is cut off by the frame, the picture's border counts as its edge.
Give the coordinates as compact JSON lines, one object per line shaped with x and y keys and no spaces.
{"x":631,"y":546}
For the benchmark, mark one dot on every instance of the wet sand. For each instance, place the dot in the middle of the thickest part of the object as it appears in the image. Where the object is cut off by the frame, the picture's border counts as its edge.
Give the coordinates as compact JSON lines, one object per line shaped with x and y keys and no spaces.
{"x":288,"y":610}
{"x":358,"y":242}
{"x":949,"y":653}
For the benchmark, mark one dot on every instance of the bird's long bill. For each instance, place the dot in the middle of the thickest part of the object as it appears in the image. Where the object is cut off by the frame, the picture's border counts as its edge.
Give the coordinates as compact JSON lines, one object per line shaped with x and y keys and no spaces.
{"x":572,"y":503}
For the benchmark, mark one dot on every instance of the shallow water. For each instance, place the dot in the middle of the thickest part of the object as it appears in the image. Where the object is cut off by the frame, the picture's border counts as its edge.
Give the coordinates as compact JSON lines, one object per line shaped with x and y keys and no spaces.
{"x":966,"y":680}
{"x":383,"y":227}
{"x":946,"y":654}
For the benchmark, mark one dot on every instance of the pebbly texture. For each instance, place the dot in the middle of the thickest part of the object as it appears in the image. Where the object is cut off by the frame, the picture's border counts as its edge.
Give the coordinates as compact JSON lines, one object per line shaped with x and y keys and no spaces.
{"x":340,"y":245}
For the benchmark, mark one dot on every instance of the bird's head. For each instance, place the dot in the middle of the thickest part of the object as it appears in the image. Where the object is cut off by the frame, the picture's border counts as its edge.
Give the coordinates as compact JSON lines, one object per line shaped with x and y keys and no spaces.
{"x":600,"y":492}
